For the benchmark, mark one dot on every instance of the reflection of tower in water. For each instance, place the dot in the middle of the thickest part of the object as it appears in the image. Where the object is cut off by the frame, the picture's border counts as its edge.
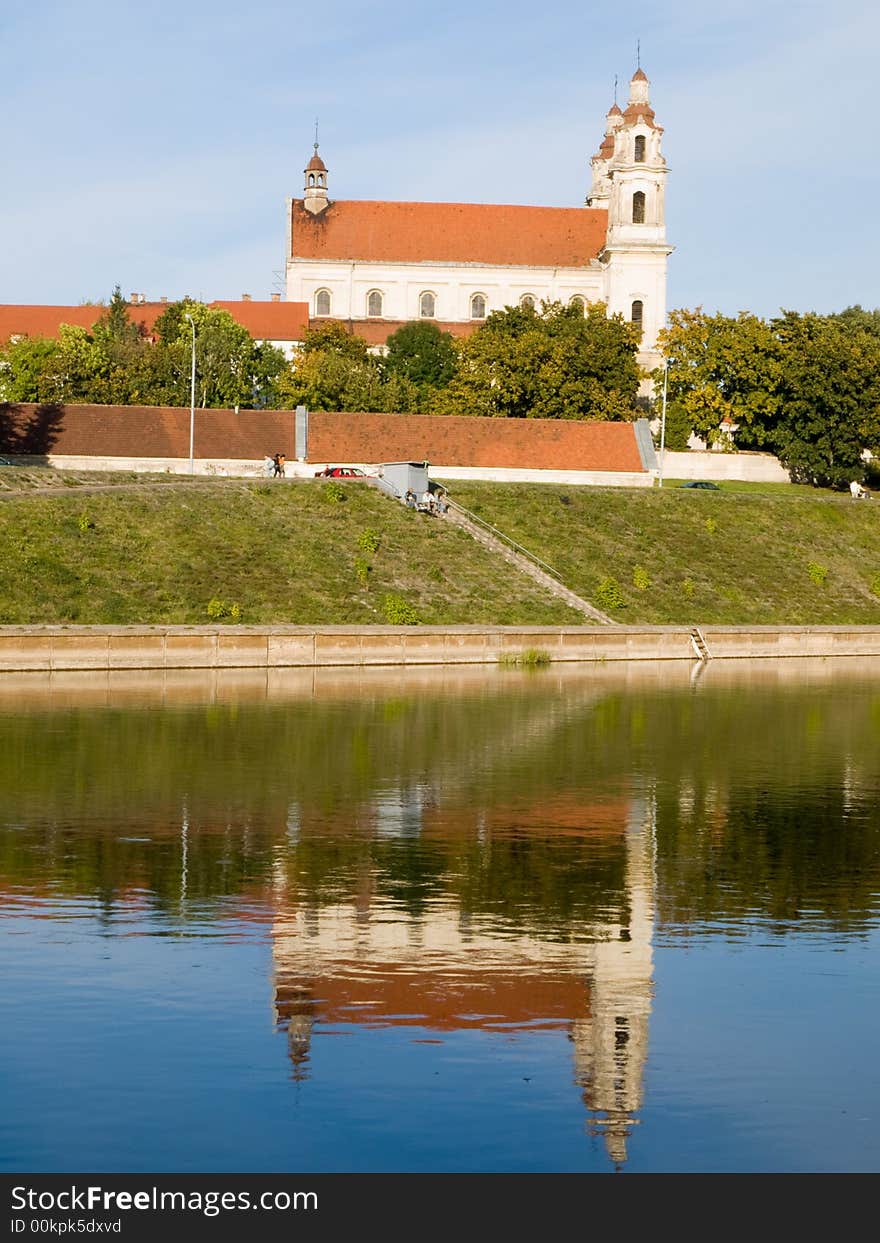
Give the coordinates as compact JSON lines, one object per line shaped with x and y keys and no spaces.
{"x":360,"y":959}
{"x":610,"y":1047}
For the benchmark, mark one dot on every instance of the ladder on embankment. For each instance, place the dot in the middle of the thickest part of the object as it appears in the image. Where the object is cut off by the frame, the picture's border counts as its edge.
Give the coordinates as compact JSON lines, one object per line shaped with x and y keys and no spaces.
{"x":523,"y":560}
{"x":701,"y":648}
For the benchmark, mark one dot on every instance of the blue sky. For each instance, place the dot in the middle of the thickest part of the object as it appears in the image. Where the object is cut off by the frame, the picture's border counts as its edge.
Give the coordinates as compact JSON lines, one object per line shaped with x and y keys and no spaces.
{"x":154,"y":144}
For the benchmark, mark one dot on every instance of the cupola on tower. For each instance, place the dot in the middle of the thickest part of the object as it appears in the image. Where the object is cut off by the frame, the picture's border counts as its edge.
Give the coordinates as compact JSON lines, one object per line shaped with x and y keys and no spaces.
{"x":315,"y":189}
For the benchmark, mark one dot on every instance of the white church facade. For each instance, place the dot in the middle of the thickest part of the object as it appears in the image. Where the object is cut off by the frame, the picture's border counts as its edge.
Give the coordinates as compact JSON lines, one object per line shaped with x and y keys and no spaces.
{"x":374,"y":263}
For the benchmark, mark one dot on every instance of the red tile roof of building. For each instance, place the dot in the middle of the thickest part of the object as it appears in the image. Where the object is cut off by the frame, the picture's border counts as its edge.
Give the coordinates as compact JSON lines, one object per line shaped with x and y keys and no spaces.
{"x":265,"y":321}
{"x":269,"y":321}
{"x":377,"y":331}
{"x":505,"y":235}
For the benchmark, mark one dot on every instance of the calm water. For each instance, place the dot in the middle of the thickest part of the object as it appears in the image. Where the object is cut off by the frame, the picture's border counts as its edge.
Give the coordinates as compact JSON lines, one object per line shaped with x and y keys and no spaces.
{"x":609,"y":917}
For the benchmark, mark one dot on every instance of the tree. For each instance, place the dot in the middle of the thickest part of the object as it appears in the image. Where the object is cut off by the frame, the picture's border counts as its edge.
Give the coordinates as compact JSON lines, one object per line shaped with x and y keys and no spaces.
{"x":327,"y":380}
{"x":830,"y":395}
{"x":331,"y":337}
{"x":723,"y":368}
{"x":422,"y":353}
{"x":231,"y":368}
{"x":556,"y":363}
{"x":31,"y":370}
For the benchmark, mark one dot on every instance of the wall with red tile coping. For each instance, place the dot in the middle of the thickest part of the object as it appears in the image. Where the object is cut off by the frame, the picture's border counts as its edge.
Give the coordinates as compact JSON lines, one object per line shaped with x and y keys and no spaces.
{"x":163,"y":432}
{"x":537,"y":444}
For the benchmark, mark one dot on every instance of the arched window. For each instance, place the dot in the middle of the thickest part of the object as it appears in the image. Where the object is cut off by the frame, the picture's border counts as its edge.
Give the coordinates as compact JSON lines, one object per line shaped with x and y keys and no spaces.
{"x":374,"y":303}
{"x":577,"y":300}
{"x":478,"y":306}
{"x":322,"y":302}
{"x":637,"y":313}
{"x":311,"y":179}
{"x":640,"y":149}
{"x":527,"y":301}
{"x":639,"y":207}
{"x":321,"y":179}
{"x":427,"y":305}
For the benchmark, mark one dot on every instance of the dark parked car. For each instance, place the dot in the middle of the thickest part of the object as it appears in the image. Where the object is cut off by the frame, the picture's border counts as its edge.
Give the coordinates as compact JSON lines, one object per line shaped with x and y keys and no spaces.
{"x":340,"y":472}
{"x":703,"y":484}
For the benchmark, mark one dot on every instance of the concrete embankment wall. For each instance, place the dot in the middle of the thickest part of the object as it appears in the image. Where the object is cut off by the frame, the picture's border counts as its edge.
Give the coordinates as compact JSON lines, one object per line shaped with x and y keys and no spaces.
{"x":49,"y":648}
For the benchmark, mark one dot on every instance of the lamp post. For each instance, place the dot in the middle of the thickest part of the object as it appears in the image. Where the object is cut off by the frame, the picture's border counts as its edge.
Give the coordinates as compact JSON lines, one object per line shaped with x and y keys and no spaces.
{"x":192,"y":395}
{"x":663,"y":422}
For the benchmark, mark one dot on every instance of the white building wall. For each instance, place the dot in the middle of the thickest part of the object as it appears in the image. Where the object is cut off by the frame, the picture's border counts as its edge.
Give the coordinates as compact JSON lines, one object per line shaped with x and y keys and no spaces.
{"x":402,"y":284}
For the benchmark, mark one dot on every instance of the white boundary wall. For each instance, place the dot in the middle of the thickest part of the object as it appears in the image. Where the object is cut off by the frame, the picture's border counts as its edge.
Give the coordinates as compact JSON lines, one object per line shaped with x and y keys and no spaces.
{"x":248,"y":469}
{"x":748,"y":467}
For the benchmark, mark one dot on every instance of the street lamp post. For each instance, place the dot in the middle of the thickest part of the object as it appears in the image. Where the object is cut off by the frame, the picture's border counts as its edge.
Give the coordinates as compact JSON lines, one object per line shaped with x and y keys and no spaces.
{"x":663,"y":422}
{"x":192,"y":396}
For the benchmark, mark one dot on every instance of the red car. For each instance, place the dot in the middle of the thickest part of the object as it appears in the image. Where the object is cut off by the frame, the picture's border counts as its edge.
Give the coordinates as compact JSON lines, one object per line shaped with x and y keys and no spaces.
{"x":340,"y":472}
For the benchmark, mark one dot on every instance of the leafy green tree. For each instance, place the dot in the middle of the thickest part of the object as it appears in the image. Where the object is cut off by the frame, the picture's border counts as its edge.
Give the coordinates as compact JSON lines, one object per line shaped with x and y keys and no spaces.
{"x":231,"y":368}
{"x":723,"y":368}
{"x":31,"y":370}
{"x":830,"y":393}
{"x":332,"y":337}
{"x":422,"y":353}
{"x":327,"y":380}
{"x":556,"y":363}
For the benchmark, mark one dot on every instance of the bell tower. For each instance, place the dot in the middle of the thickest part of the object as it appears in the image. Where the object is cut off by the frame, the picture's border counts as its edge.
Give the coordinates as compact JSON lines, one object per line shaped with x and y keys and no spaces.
{"x":636,"y":249}
{"x":315,"y":189}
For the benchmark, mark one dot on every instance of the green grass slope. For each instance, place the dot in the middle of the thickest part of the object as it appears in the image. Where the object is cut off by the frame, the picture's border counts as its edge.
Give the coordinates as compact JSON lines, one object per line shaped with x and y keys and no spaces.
{"x":786,"y":556}
{"x":281,"y":552}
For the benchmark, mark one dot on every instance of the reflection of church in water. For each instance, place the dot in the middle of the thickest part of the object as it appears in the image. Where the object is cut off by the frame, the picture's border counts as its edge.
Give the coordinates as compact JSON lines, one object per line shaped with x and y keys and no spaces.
{"x":361,"y":960}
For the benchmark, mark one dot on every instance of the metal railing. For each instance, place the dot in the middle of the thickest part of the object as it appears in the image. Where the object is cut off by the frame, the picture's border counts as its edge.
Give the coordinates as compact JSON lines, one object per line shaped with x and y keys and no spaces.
{"x":506,"y":539}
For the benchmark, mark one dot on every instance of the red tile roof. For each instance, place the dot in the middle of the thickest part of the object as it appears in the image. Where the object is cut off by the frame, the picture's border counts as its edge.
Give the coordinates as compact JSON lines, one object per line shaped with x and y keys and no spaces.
{"x":377,"y":331}
{"x":450,"y":233}
{"x":270,"y":321}
{"x":265,"y":321}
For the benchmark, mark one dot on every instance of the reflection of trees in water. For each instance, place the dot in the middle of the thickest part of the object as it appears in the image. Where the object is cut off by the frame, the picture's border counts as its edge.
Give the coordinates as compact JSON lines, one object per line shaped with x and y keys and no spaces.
{"x":764,"y":799}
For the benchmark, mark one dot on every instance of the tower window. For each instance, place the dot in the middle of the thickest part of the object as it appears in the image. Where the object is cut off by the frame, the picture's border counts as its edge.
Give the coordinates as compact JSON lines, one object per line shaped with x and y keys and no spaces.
{"x":639,"y":207}
{"x":321,"y":179}
{"x":577,"y":300}
{"x":478,"y":306}
{"x":527,"y":301}
{"x":427,"y":305}
{"x":640,"y":149}
{"x":311,"y":179}
{"x":637,"y":313}
{"x":374,"y":303}
{"x":322,"y":302}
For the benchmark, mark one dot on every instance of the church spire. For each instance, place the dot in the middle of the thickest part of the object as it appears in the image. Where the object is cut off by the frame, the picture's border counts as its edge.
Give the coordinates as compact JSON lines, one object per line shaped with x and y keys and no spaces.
{"x":315,"y":190}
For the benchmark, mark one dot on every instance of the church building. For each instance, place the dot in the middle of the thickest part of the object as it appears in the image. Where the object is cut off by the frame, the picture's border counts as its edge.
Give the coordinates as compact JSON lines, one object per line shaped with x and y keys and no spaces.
{"x":376,"y":265}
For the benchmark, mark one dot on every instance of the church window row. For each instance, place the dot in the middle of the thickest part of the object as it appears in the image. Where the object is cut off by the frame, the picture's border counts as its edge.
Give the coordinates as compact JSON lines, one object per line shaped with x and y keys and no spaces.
{"x":428,"y":304}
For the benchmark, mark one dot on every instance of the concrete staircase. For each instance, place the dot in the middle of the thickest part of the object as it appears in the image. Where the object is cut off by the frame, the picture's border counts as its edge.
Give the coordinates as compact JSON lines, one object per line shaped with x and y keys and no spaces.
{"x":523,"y":560}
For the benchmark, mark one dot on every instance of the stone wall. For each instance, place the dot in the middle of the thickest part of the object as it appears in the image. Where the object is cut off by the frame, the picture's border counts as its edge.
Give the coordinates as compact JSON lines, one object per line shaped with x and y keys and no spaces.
{"x":49,"y":648}
{"x":131,"y":432}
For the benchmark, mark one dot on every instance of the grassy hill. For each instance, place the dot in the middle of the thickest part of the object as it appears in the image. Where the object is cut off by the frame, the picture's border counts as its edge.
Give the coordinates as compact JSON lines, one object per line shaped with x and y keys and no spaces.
{"x":262,"y":552}
{"x":780,"y":555}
